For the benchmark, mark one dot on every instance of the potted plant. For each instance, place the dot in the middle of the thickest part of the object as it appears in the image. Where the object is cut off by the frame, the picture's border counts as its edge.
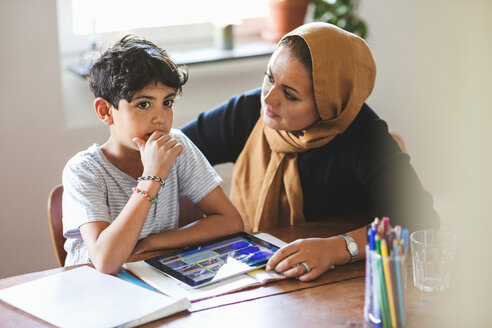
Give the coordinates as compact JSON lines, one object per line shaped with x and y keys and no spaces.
{"x":285,"y":15}
{"x":341,"y":13}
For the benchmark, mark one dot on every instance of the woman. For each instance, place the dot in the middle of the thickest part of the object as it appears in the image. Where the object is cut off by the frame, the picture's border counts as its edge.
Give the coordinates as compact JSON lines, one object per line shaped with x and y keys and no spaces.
{"x":306,"y":147}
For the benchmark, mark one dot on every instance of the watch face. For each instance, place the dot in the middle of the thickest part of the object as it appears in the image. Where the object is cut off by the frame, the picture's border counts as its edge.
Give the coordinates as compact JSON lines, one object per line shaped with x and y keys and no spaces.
{"x":352,"y":247}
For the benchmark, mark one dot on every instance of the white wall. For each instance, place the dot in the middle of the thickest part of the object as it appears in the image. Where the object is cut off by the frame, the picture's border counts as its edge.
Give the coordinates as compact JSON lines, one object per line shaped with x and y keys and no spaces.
{"x":433,"y":87}
{"x":430,"y":57}
{"x":34,"y":141}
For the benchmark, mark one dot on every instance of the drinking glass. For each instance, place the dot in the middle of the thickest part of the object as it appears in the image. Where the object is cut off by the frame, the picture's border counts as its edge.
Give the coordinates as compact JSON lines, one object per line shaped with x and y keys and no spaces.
{"x":432,"y":257}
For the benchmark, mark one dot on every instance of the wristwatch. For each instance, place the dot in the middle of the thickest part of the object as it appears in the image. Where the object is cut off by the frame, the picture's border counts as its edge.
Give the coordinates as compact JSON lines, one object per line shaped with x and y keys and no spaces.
{"x":352,"y":247}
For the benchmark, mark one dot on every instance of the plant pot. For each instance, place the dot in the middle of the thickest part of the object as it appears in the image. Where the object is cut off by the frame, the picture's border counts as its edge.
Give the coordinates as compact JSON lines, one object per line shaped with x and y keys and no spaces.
{"x":285,"y":15}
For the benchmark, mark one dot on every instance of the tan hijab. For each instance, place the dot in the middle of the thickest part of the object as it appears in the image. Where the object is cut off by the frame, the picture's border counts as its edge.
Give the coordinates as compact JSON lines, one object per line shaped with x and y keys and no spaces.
{"x":266,"y":187}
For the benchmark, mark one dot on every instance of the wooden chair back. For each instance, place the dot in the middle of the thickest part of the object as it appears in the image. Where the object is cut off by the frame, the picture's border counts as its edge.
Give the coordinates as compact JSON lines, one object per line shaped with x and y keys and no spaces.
{"x":188,"y":212}
{"x":56,"y":224}
{"x":399,"y":141}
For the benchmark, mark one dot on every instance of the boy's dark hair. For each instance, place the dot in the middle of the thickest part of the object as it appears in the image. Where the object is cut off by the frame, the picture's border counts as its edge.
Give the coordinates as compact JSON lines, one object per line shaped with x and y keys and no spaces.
{"x":131,"y":64}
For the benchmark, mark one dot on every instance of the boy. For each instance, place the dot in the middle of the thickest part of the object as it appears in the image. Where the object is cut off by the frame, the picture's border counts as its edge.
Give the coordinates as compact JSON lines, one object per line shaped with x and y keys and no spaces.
{"x":122,"y":197}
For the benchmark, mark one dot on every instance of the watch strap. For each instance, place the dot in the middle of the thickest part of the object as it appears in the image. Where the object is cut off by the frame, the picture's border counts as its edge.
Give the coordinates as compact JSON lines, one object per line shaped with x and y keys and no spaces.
{"x":352,"y":247}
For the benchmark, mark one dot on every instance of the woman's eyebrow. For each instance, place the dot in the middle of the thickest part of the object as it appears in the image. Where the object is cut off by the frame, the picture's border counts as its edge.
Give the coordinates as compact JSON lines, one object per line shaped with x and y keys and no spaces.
{"x":290,"y":88}
{"x":284,"y":85}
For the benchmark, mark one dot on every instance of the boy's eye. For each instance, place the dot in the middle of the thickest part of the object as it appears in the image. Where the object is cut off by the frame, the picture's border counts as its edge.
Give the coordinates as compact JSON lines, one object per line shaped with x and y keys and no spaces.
{"x":143,"y":105}
{"x":168,"y":103}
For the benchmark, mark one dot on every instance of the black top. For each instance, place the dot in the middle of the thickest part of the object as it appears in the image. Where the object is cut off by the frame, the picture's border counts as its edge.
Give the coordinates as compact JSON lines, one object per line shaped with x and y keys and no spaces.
{"x":362,"y":169}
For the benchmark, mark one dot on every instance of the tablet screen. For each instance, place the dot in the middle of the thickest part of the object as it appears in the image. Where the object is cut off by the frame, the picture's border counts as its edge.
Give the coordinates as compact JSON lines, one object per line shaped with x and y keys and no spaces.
{"x":216,"y":260}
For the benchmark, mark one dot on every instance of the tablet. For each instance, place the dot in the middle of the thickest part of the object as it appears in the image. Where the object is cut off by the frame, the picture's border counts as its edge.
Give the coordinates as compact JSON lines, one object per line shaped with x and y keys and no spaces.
{"x":216,"y":260}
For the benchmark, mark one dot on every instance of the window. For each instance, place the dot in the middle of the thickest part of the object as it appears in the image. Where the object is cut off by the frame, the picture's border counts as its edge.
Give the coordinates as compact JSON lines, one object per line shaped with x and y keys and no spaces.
{"x":185,"y":28}
{"x":87,"y":23}
{"x":102,"y":16}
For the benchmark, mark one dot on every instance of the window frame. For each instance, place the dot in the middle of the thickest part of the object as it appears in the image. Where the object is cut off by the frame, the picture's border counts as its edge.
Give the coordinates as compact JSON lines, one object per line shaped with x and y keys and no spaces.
{"x":176,"y":37}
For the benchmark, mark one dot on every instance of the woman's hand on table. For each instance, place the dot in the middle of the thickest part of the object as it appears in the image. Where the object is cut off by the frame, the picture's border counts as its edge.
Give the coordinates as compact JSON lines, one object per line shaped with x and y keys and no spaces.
{"x":316,"y":254}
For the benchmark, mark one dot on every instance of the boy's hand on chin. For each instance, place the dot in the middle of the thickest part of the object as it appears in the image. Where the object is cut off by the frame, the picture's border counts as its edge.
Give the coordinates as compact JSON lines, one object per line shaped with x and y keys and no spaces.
{"x":158,"y":153}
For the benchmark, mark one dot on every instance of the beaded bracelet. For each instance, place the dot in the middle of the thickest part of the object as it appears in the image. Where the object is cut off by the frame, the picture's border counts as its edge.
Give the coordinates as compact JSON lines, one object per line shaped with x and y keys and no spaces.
{"x":143,"y":193}
{"x":152,"y":177}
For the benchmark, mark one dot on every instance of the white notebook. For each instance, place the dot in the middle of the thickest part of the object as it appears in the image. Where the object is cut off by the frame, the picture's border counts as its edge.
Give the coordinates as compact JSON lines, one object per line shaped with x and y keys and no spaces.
{"x":84,"y":297}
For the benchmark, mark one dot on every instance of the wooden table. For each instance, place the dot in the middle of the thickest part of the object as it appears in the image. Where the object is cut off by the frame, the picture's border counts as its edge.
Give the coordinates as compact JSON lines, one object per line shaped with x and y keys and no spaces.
{"x":335,"y":299}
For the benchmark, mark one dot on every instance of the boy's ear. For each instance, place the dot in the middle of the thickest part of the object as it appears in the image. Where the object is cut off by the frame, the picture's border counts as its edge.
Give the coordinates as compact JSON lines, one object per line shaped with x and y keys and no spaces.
{"x":104,"y":110}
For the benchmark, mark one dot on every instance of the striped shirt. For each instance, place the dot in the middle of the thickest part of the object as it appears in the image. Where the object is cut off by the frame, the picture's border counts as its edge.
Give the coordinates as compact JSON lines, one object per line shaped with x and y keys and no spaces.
{"x":96,"y":190}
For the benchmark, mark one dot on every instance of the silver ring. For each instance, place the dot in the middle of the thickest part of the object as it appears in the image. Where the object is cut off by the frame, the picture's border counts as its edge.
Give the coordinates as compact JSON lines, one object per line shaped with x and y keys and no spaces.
{"x":304,"y":267}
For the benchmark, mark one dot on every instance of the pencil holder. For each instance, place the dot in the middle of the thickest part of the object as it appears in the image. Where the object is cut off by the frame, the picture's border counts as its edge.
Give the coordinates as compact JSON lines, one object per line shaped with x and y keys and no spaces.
{"x":385,"y":289}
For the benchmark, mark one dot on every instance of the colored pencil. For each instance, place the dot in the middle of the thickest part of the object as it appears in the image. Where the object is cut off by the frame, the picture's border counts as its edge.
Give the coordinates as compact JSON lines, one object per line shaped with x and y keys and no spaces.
{"x":398,"y":288}
{"x":387,"y":249}
{"x":389,"y":288}
{"x":386,"y":224}
{"x":384,"y":297}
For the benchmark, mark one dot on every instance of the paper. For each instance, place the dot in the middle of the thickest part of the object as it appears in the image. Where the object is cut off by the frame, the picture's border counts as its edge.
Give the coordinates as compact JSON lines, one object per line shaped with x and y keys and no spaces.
{"x":125,"y":275}
{"x":174,"y":288}
{"x":271,"y":239}
{"x":84,"y":297}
